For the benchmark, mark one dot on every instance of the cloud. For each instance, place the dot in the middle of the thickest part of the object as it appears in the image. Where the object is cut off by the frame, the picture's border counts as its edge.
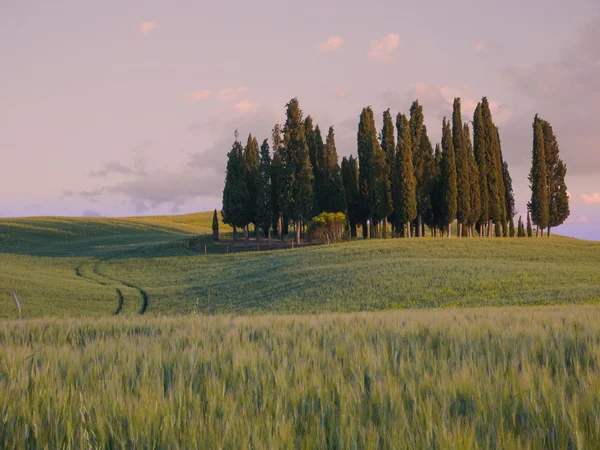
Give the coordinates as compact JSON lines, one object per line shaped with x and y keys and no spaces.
{"x":342,"y":93}
{"x":110,"y":168}
{"x":581,"y":219}
{"x":245,"y":106}
{"x":232,"y":93}
{"x":479,"y":47}
{"x":147,"y":27}
{"x":382,"y":49}
{"x":593,"y":199}
{"x":332,"y":43}
{"x":196,"y":96}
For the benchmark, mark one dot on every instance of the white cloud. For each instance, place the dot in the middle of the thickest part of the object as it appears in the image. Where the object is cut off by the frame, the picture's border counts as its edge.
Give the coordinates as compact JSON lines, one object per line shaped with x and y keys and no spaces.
{"x":382,"y":49}
{"x":147,"y":27}
{"x":342,"y":93}
{"x":199,"y":95}
{"x":593,"y":199}
{"x":245,"y":106}
{"x":479,"y":47}
{"x":332,"y":43}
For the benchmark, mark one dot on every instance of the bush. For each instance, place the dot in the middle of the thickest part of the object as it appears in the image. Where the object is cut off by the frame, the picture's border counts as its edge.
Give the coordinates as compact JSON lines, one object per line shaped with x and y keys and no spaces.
{"x":327,"y":227}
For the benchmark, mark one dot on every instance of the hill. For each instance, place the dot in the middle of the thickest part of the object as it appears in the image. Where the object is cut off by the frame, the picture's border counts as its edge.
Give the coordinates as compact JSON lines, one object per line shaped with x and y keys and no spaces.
{"x":99,"y":266}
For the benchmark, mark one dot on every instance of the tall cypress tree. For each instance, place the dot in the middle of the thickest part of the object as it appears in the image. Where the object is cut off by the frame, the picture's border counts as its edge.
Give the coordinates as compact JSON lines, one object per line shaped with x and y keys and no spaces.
{"x":422,"y":154}
{"x":463,"y":182}
{"x":556,"y":170}
{"x":529,"y":227}
{"x":215,"y":226}
{"x":278,"y":182}
{"x":436,"y":196}
{"x":351,"y":186}
{"x":474,"y":191}
{"x":235,"y":193}
{"x":509,"y":196}
{"x":520,"y":228}
{"x":479,"y":149}
{"x":365,"y":171}
{"x":253,"y":181}
{"x":449,"y":189}
{"x":380,"y":194}
{"x":299,"y":171}
{"x":334,"y":199}
{"x":263,"y":199}
{"x":388,"y":145}
{"x":405,"y":196}
{"x":539,"y":203}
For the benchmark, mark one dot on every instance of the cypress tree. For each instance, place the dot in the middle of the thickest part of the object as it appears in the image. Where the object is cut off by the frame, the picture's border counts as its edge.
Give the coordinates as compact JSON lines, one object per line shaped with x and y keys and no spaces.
{"x":334,"y":199}
{"x":263,"y":200}
{"x":388,"y":145}
{"x":422,"y":154}
{"x":320,"y":175}
{"x":556,"y":170}
{"x":448,"y":175}
{"x":278,"y":183}
{"x":463,"y":182}
{"x":538,"y":205}
{"x":215,"y":226}
{"x":509,"y":196}
{"x":511,"y":227}
{"x":365,"y":171}
{"x":437,"y":202}
{"x":235,"y":193}
{"x":351,"y":186}
{"x":529,"y":228}
{"x":253,"y":181}
{"x":520,"y":228}
{"x":479,"y":149}
{"x":405,"y":197}
{"x":380,"y":195}
{"x":474,"y":191}
{"x":299,"y":171}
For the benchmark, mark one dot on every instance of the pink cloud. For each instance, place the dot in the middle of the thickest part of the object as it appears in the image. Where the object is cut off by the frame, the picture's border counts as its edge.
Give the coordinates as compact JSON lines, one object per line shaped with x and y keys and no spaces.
{"x":593,"y":199}
{"x":382,"y":49}
{"x":232,"y":93}
{"x":199,"y":95}
{"x":147,"y":27}
{"x":342,"y":93}
{"x":332,"y":43}
{"x":479,"y":47}
{"x":245,"y":106}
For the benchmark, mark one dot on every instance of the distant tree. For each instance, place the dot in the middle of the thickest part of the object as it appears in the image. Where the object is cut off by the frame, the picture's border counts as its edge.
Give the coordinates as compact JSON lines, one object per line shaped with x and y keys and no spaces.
{"x":278,"y":182}
{"x":253,"y":181}
{"x":350,"y":177}
{"x":263,"y":198}
{"x":529,"y":228}
{"x":474,"y":191}
{"x":215,"y":226}
{"x":511,"y":227}
{"x":388,"y":145}
{"x":448,"y":175}
{"x":334,"y":199}
{"x":479,"y":149}
{"x":299,"y":171}
{"x":364,"y":139}
{"x":509,"y":196}
{"x":539,"y":203}
{"x":556,"y":170}
{"x":463,"y":182}
{"x":422,"y":154}
{"x":520,"y":228}
{"x":235,"y":193}
{"x":405,"y":196}
{"x":435,"y":221}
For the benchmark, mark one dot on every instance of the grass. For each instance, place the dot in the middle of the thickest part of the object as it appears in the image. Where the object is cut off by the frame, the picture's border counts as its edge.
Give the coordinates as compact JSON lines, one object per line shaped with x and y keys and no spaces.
{"x":500,"y":378}
{"x":98,"y":266}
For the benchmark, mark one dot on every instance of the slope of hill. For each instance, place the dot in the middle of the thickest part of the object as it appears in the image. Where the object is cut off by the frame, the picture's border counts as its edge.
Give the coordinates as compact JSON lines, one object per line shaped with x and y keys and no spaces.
{"x":98,"y":266}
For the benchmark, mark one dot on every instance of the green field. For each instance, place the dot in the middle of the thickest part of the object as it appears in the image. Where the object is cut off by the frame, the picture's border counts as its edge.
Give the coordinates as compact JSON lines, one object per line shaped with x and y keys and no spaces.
{"x":497,"y":378}
{"x":97,"y":266}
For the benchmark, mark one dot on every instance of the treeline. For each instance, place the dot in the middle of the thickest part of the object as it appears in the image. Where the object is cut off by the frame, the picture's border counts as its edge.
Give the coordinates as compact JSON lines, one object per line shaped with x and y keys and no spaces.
{"x":399,"y":182}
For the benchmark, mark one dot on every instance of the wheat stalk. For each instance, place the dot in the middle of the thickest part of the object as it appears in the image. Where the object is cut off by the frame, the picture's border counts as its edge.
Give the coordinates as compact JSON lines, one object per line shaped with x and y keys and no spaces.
{"x":17,"y":305}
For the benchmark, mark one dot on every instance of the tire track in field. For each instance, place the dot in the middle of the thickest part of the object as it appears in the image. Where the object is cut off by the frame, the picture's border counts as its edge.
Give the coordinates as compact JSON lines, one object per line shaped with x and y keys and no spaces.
{"x":143,"y":294}
{"x":121,"y":298}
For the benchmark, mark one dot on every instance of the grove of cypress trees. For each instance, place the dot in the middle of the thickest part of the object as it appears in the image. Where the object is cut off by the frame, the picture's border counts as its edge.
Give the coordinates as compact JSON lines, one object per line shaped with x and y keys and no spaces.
{"x":365,"y":172}
{"x":448,"y":176}
{"x":351,"y":186}
{"x":334,"y":199}
{"x":299,"y":171}
{"x":479,"y":149}
{"x":235,"y":193}
{"x":263,"y":198}
{"x":556,"y":170}
{"x":463,"y":183}
{"x":474,"y":191}
{"x":539,"y":203}
{"x":405,"y":195}
{"x":529,"y":227}
{"x":215,"y":226}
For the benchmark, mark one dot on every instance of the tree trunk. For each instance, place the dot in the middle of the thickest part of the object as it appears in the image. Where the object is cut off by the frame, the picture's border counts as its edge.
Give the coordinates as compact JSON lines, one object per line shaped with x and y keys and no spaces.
{"x":420,"y":225}
{"x":385,"y":230}
{"x":246,"y":233}
{"x":297,"y":232}
{"x":460,"y":229}
{"x":449,"y":230}
{"x":371,"y":229}
{"x":234,"y":234}
{"x":490,"y":228}
{"x":549,"y":231}
{"x":408,"y":230}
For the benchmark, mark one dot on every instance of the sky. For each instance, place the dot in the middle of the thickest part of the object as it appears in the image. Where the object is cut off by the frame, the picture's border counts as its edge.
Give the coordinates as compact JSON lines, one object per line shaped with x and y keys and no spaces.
{"x":119,"y":108}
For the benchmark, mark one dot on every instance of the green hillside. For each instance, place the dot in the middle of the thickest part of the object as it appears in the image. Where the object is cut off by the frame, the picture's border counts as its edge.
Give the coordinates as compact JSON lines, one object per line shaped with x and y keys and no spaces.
{"x":99,"y":266}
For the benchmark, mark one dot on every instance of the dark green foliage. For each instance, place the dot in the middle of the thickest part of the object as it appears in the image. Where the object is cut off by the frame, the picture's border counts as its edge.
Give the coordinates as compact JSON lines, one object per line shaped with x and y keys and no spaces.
{"x":405,"y":197}
{"x":350,"y":178}
{"x":463,"y":183}
{"x":299,"y":201}
{"x":278,"y":180}
{"x":437,"y":201}
{"x":253,"y":179}
{"x":388,"y":145}
{"x":366,"y":128}
{"x":448,"y":176}
{"x":509,"y":195}
{"x":529,"y":227}
{"x":511,"y":227}
{"x":493,"y":156}
{"x":520,"y":228}
{"x":538,"y":205}
{"x":422,"y":153}
{"x":264,"y":191}
{"x":474,"y":191}
{"x":479,"y":149}
{"x":380,"y":194}
{"x":215,"y":226}
{"x":556,"y":170}
{"x":235,"y":193}
{"x":334,"y":198}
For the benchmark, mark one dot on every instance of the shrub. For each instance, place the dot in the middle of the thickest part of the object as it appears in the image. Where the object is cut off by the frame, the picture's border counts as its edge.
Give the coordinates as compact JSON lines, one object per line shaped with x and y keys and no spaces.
{"x":327,"y":227}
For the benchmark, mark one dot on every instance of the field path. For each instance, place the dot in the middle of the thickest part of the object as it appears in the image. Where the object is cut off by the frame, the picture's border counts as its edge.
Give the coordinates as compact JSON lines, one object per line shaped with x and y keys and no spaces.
{"x":145,"y":297}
